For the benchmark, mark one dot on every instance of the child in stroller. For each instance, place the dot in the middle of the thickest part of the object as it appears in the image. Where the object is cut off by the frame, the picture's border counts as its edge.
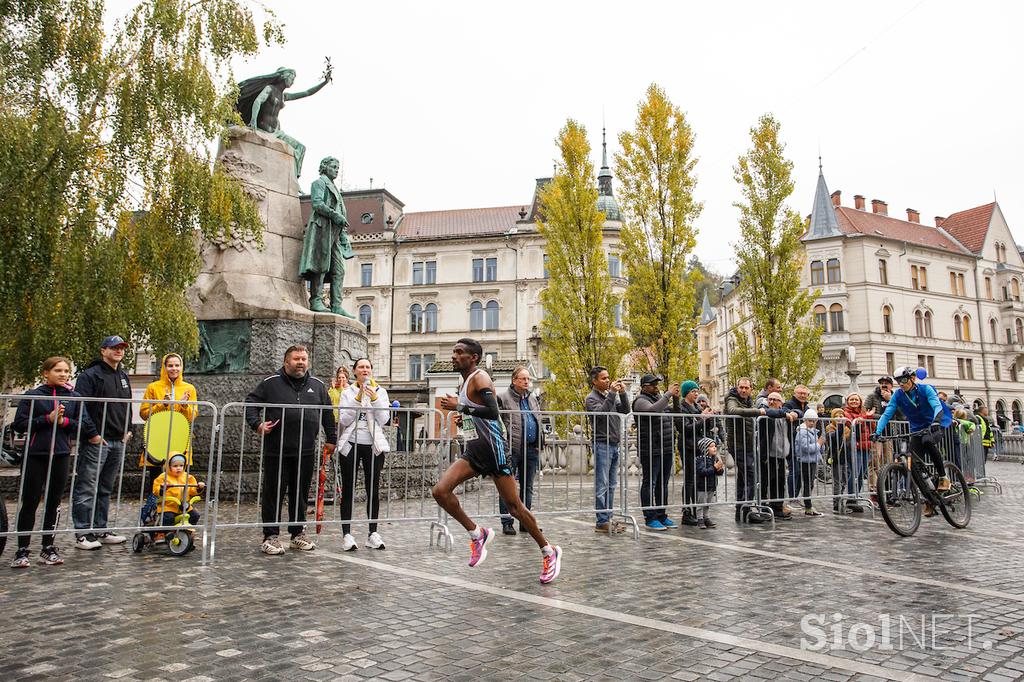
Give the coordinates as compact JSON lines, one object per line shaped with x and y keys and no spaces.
{"x":164,"y":507}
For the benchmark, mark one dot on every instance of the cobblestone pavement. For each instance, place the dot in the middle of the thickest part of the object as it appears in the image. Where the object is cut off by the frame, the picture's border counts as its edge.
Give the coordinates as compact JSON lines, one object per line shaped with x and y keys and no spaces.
{"x":687,"y":604}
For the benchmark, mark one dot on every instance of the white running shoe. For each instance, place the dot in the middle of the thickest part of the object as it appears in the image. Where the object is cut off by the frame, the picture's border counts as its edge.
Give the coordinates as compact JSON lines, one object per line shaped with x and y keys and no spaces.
{"x":375,"y":541}
{"x":349,"y":544}
{"x":87,"y":541}
{"x":112,"y":539}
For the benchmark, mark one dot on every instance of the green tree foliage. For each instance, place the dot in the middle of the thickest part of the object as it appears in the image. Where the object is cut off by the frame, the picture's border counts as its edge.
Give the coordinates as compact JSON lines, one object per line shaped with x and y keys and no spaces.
{"x":578,"y":329}
{"x":769,"y":256}
{"x":656,"y":175}
{"x":105,"y":132}
{"x":706,"y":279}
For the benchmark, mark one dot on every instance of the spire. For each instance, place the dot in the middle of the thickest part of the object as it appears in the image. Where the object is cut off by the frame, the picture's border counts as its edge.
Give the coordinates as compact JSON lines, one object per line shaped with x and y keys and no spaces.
{"x":707,"y":313}
{"x":823,"y":213}
{"x":605,"y":199}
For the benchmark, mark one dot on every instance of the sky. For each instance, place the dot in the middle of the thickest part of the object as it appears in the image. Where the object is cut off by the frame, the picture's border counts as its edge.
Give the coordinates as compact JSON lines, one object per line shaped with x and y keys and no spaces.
{"x":457,"y":104}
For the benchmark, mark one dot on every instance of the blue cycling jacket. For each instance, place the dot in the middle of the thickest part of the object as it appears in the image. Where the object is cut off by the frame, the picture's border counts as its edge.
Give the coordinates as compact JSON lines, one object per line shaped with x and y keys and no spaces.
{"x":921,"y":407}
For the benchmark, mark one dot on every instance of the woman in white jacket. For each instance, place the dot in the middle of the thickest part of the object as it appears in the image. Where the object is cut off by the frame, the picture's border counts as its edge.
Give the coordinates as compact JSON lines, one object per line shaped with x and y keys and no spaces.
{"x":362,"y":439}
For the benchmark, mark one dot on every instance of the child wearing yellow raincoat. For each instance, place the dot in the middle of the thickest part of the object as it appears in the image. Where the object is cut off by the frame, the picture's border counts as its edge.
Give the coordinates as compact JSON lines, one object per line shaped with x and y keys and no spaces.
{"x":171,"y":496}
{"x":170,"y":386}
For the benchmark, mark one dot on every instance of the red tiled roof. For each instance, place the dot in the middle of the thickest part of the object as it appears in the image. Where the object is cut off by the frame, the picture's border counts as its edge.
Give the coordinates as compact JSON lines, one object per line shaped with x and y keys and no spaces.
{"x":852,"y":221}
{"x":971,"y":226}
{"x":458,"y":223}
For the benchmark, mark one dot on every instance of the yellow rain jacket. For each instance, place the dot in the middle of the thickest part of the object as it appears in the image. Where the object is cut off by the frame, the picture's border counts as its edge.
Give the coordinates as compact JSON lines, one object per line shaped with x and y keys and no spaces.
{"x":164,"y":389}
{"x":170,"y":501}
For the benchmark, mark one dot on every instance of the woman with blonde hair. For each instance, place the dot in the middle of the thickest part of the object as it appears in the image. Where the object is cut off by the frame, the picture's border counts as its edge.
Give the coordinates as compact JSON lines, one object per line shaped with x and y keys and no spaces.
{"x":860,"y":443}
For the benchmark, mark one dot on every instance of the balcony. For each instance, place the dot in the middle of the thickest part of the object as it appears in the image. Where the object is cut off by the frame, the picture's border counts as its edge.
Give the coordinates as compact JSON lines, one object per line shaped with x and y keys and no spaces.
{"x":1012,"y":306}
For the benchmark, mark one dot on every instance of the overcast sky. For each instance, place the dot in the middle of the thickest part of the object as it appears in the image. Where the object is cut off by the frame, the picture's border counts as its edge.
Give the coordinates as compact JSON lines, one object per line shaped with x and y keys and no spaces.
{"x":456,"y":105}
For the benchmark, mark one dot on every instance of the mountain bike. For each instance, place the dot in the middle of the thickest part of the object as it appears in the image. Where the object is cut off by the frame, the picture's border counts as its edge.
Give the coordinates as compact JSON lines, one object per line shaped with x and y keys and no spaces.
{"x":907,"y":484}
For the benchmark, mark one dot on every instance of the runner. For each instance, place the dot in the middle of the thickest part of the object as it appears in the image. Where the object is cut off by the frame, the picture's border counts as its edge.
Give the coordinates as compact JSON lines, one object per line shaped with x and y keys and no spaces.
{"x":485,"y":455}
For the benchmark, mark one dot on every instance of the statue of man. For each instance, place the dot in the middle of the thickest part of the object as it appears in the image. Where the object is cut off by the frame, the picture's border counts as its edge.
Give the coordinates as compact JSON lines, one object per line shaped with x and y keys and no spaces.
{"x":260,"y":100}
{"x":326,"y":246}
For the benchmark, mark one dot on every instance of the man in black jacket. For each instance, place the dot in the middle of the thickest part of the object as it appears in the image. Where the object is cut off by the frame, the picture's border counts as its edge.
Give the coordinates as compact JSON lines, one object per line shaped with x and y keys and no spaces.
{"x":606,"y":396}
{"x":655,"y":446}
{"x":288,"y":443}
{"x":98,"y":464}
{"x":739,"y":407}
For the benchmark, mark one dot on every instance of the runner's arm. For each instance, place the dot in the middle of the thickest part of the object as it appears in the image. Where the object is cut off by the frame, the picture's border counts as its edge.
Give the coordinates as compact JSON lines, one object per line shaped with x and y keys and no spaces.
{"x":489,"y":402}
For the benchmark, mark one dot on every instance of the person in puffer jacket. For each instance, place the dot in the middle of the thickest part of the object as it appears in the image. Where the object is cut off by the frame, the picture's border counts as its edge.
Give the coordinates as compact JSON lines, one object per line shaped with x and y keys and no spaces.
{"x":707,"y":468}
{"x":808,"y":447}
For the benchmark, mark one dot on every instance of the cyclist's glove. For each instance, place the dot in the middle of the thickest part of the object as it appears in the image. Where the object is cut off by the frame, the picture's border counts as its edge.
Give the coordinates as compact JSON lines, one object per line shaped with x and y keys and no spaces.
{"x":873,"y":438}
{"x":935,"y":428}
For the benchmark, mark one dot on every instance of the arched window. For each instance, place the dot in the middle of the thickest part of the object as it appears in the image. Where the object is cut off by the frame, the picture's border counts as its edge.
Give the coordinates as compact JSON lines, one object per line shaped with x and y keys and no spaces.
{"x":928,"y":324}
{"x":366,"y":316}
{"x":817,"y":272}
{"x":919,"y":323}
{"x":1013,"y":371}
{"x":416,"y":319}
{"x":835,"y":317}
{"x":492,"y":315}
{"x":1016,"y":411}
{"x":821,"y":317}
{"x":966,"y":320}
{"x":430,"y":318}
{"x":958,"y":330}
{"x":993,"y":329}
{"x":833,"y":401}
{"x":1019,"y":325}
{"x":887,"y":319}
{"x":834,"y":274}
{"x":1000,"y":413}
{"x":476,"y":316}
{"x":1015,"y":289}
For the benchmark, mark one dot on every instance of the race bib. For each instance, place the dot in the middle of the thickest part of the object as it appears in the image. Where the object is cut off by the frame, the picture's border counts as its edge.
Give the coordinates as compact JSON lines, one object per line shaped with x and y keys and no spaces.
{"x":469,"y":428}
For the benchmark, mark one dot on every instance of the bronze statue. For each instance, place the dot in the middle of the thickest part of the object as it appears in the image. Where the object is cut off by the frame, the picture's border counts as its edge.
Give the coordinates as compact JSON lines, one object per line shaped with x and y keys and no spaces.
{"x":326,"y":246}
{"x":261,"y":99}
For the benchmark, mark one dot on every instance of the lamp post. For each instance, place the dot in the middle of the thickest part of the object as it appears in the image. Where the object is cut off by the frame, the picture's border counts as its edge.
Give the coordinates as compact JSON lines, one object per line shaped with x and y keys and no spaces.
{"x":851,"y":368}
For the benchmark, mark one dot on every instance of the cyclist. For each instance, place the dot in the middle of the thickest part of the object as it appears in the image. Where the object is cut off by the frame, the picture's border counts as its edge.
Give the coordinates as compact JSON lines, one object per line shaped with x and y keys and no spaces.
{"x":923,"y":409}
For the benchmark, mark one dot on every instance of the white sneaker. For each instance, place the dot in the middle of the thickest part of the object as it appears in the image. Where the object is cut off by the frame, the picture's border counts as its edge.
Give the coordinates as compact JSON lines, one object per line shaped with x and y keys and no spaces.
{"x":272,"y":546}
{"x":349,"y":544}
{"x":302,"y":543}
{"x":375,"y":541}
{"x":112,"y":539}
{"x":88,"y":541}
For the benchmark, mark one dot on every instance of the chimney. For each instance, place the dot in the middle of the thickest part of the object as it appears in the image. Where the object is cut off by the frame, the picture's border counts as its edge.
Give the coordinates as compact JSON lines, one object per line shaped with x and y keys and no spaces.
{"x":835,"y":198}
{"x":880,"y":207}
{"x":913,"y":216}
{"x":858,"y":202}
{"x":939,"y":220}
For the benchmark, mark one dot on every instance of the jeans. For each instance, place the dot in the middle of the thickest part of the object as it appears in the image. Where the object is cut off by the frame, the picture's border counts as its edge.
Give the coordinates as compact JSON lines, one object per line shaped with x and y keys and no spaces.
{"x":657,"y":468}
{"x":859,"y":465}
{"x":526,"y":475}
{"x":95,"y":474}
{"x":606,"y":471}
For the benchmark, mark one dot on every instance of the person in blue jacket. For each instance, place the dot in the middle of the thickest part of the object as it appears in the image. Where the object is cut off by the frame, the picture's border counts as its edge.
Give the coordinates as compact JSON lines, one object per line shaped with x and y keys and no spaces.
{"x":920,"y":404}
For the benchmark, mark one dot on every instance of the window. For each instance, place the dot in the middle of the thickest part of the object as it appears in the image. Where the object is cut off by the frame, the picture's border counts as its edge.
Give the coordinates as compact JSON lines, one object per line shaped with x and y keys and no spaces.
{"x":478,"y":269}
{"x":492,"y":316}
{"x":546,"y":273}
{"x":928,"y":324}
{"x":1015,"y":289}
{"x":1013,"y":371}
{"x":921,"y":361}
{"x":424,"y":272}
{"x":1019,"y":325}
{"x":890,"y":363}
{"x":923,"y":274}
{"x":430,"y":318}
{"x":928,"y":362}
{"x":913,"y":277}
{"x":366,"y":275}
{"x":417,"y":272}
{"x":617,"y":315}
{"x":919,"y":277}
{"x":415,"y":367}
{"x":834,"y":274}
{"x":416,"y":319}
{"x":491,"y":272}
{"x":614,"y":267}
{"x":886,"y":319}
{"x":883,"y":271}
{"x":918,"y":323}
{"x":956,"y":284}
{"x":958,"y":330}
{"x":1009,"y":335}
{"x":428,"y":361}
{"x":995,"y":370}
{"x":960,"y":282}
{"x":366,"y":316}
{"x":952,"y":283}
{"x":835,"y":317}
{"x":476,"y":316}
{"x":965,"y":368}
{"x":821,"y":317}
{"x":366,"y":218}
{"x":923,"y":324}
{"x":966,"y":331}
{"x":431,"y":272}
{"x":492,"y":356}
{"x":988,"y":288}
{"x":817,"y":272}
{"x":992,"y":328}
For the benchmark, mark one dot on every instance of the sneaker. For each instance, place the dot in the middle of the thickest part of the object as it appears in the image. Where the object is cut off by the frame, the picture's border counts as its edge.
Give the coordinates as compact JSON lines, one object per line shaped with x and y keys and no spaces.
{"x":21,"y":559}
{"x":841,"y":510}
{"x":552,"y":565}
{"x":87,"y":541}
{"x":928,"y":511}
{"x":301,"y":543}
{"x":618,"y":527}
{"x":690,"y":521}
{"x":603,"y":528}
{"x":375,"y":541}
{"x":272,"y":546}
{"x":655,"y":525}
{"x":668,"y":523}
{"x":478,"y":547}
{"x":811,"y":511}
{"x":702,"y":524}
{"x":49,"y":556}
{"x":856,"y":509}
{"x":708,"y":523}
{"x":349,"y":543}
{"x":112,"y":539}
{"x":943,"y":485}
{"x":508,"y":529}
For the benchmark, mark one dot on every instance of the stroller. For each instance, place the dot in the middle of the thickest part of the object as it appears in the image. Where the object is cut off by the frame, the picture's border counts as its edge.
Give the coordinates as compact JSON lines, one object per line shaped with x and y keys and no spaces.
{"x":180,"y":540}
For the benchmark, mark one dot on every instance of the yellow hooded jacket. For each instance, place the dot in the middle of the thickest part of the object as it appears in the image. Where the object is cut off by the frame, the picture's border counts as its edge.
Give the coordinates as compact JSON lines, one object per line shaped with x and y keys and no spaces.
{"x":164,"y":389}
{"x":170,"y":500}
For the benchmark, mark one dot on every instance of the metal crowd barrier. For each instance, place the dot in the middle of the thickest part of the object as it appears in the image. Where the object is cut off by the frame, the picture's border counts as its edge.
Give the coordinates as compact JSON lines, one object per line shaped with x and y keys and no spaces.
{"x":105,"y":485}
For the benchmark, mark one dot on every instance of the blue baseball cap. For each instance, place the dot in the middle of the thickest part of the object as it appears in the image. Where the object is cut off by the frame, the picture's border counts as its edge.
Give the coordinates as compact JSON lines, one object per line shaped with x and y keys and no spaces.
{"x":114,"y":342}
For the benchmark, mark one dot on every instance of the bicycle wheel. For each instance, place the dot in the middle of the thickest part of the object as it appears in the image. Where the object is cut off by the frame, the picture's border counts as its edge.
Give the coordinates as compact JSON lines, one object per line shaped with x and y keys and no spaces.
{"x":898,"y":500}
{"x":3,"y":523}
{"x":956,"y":502}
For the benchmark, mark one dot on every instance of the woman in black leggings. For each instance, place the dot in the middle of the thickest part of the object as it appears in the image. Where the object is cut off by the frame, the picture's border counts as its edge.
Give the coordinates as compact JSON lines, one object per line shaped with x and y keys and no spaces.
{"x":363,"y":412}
{"x":49,"y":423}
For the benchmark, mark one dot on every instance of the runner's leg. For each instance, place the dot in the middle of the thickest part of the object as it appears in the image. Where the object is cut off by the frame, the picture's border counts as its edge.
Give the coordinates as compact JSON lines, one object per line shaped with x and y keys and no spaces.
{"x":444,"y":492}
{"x":506,"y":486}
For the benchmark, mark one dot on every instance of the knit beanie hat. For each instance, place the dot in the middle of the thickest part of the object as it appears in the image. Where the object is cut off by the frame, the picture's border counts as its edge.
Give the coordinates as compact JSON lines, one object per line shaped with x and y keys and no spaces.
{"x":174,"y":456}
{"x":703,"y":445}
{"x":811,"y":414}
{"x":688,"y":386}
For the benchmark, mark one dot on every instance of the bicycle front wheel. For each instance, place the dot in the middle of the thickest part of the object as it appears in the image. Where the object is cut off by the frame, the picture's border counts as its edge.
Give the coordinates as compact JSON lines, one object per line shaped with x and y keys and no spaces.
{"x":899,"y":500}
{"x":956,"y":502}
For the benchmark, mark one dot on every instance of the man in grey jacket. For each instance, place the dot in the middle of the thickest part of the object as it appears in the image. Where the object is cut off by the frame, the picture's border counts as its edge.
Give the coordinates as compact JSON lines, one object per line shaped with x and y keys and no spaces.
{"x":521,"y":413}
{"x":605,"y":435}
{"x":655,"y":446}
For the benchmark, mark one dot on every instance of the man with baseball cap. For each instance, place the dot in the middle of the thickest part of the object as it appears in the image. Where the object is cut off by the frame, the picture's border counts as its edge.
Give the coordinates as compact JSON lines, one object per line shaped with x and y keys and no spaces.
{"x":654,"y":445}
{"x":98,"y":464}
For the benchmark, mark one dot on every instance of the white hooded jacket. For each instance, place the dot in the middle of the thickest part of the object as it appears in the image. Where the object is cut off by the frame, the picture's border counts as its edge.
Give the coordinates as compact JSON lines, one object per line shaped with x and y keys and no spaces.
{"x":352,"y":412}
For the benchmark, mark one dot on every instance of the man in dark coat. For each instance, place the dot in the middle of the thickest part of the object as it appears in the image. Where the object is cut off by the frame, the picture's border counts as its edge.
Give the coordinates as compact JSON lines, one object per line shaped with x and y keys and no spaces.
{"x":741,"y":413}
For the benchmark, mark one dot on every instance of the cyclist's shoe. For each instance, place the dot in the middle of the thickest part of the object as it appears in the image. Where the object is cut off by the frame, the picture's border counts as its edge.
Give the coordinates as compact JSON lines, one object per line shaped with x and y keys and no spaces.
{"x":928,"y":511}
{"x":943,"y":484}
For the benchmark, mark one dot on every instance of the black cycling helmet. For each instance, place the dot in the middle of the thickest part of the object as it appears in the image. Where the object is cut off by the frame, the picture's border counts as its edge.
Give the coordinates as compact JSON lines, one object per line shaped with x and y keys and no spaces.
{"x":902,"y":373}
